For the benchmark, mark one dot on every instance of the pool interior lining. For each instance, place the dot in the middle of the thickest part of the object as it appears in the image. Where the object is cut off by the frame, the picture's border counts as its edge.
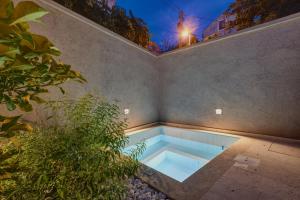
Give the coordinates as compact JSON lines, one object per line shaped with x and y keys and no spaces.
{"x":176,"y":157}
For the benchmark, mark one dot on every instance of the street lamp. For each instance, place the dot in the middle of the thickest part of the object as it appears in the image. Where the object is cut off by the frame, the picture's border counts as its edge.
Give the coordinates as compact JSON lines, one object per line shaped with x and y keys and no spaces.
{"x":186,"y":34}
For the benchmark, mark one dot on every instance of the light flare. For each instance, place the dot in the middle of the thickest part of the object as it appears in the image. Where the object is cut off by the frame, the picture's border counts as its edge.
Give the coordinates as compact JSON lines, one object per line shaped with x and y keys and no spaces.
{"x":185,"y":33}
{"x":191,"y":25}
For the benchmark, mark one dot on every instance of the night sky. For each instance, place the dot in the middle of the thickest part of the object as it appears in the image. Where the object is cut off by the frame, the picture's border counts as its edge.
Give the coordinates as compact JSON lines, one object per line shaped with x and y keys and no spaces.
{"x":161,"y":15}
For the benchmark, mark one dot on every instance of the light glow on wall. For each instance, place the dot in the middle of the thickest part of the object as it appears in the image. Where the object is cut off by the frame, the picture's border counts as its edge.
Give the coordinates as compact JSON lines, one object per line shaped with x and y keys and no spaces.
{"x":219,"y":111}
{"x":126,"y":111}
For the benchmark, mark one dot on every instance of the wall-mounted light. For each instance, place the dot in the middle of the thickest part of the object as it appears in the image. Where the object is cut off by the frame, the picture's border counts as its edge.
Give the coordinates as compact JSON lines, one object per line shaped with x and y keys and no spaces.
{"x":219,"y":111}
{"x":126,"y":111}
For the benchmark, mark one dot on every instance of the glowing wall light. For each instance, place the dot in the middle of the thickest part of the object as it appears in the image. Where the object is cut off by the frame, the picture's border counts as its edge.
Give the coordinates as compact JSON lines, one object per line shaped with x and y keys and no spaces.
{"x":219,"y":111}
{"x":126,"y":111}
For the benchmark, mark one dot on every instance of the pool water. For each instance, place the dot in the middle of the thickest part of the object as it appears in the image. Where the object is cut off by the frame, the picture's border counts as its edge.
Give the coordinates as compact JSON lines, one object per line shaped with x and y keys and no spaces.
{"x":176,"y":157}
{"x":175,"y":165}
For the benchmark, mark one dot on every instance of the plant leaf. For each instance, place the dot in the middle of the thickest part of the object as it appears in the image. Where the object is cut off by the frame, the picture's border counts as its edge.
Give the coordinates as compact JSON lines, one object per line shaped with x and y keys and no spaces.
{"x":41,"y":43}
{"x":3,"y":59}
{"x":37,"y":99}
{"x":26,"y":107}
{"x":9,"y":103}
{"x":27,"y":40}
{"x":2,"y":118}
{"x":5,"y":30}
{"x":54,"y":51}
{"x":9,"y":122}
{"x":6,"y":9}
{"x":27,"y":11}
{"x":1,"y":98}
{"x":7,"y":41}
{"x":8,"y":51}
{"x":62,"y":90}
{"x":23,"y":67}
{"x":21,"y":127}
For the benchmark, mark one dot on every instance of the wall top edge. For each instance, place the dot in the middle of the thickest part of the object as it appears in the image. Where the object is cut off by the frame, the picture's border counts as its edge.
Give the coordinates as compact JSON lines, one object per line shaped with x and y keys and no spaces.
{"x":93,"y":24}
{"x":246,"y":31}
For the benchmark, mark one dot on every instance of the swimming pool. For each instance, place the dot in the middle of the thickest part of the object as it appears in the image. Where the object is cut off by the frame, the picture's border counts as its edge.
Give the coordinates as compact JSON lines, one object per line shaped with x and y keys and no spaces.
{"x":178,"y":153}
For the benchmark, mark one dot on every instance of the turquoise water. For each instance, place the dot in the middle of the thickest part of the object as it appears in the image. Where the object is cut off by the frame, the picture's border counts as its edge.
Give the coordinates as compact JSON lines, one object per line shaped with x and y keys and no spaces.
{"x":175,"y":157}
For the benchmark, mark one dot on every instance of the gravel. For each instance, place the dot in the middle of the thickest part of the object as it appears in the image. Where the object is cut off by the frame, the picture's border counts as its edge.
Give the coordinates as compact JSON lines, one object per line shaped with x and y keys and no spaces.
{"x":138,"y":190}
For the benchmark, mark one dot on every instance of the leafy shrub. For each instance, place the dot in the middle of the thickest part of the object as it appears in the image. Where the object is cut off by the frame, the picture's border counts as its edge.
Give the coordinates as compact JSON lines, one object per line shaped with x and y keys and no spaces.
{"x":28,"y":64}
{"x":79,"y":158}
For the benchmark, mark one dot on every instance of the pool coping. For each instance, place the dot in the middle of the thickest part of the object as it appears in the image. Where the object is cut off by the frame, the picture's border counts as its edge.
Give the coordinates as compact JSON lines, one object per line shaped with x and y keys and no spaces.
{"x":195,"y":186}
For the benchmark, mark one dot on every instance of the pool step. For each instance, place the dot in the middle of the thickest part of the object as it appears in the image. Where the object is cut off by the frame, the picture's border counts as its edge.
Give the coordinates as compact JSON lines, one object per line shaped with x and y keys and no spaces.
{"x":174,"y":151}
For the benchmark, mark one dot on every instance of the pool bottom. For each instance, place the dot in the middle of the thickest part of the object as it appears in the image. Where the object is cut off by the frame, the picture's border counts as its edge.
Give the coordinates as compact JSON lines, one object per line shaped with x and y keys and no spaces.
{"x":177,"y":165}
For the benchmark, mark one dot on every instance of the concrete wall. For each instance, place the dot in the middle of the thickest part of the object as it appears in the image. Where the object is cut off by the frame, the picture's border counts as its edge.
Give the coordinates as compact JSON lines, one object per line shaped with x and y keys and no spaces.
{"x":254,"y":76}
{"x":113,"y":66}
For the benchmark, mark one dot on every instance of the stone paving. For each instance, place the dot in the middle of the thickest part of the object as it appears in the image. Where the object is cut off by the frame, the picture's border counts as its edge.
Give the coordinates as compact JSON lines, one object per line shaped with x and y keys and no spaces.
{"x":277,"y":177}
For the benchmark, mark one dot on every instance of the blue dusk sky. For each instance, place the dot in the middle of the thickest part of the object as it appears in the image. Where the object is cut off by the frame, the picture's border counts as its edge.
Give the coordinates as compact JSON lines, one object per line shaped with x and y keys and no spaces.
{"x":161,"y":15}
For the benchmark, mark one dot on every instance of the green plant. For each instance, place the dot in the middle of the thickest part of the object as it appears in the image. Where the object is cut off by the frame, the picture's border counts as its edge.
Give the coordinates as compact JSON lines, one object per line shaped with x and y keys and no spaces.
{"x":251,"y":12}
{"x":81,"y":158}
{"x":27,"y":62}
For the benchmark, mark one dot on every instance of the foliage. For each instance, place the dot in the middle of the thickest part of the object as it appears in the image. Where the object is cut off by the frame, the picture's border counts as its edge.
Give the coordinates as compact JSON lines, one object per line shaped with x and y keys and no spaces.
{"x":154,"y":48}
{"x":252,"y":12}
{"x":81,"y":158}
{"x":27,"y":62}
{"x":115,"y":19}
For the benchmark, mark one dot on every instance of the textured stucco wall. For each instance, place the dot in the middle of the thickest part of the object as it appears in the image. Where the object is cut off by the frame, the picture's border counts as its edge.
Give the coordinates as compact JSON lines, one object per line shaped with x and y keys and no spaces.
{"x":253,"y":76}
{"x":116,"y":68}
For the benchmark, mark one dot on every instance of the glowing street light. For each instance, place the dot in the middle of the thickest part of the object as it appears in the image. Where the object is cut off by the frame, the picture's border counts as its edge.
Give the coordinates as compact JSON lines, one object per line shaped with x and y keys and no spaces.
{"x":186,"y":34}
{"x":186,"y":26}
